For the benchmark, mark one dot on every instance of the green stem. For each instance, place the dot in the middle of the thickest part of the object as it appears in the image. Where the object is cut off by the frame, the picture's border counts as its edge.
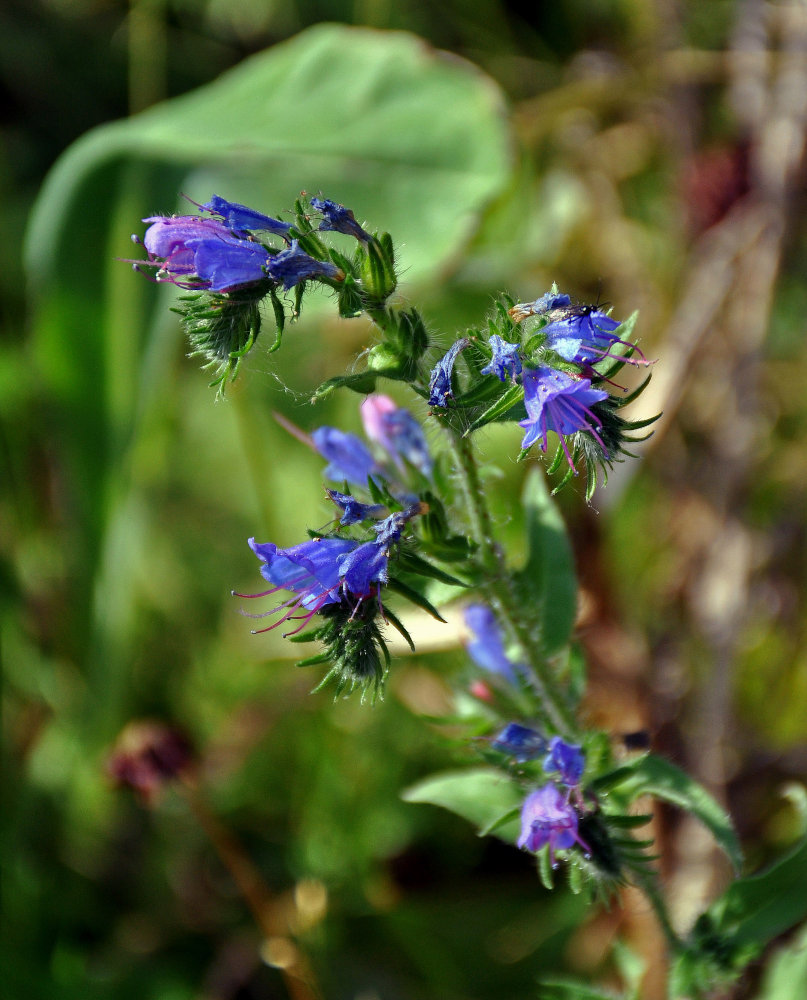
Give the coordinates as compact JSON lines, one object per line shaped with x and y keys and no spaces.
{"x":647,"y":883}
{"x":499,"y":590}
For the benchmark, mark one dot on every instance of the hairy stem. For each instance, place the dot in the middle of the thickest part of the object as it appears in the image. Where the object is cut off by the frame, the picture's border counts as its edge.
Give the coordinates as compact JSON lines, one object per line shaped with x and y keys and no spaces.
{"x":500,"y":592}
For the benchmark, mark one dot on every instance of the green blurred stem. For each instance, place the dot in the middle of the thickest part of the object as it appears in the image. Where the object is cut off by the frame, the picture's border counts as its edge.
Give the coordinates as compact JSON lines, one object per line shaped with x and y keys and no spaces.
{"x":500,"y":592}
{"x":649,"y":886}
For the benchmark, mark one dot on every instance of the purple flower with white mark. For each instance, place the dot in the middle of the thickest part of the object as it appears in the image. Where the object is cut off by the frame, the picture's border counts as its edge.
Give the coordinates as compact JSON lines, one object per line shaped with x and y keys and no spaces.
{"x":293,"y":265}
{"x":547,"y":818}
{"x":338,"y":219}
{"x":557,"y":402}
{"x":520,"y":742}
{"x":194,"y":252}
{"x":505,"y":361}
{"x":397,"y":431}
{"x":440,"y":390}
{"x":486,"y":649}
{"x":240,"y":218}
{"x":545,"y":304}
{"x":588,"y":337}
{"x":348,"y":457}
{"x":567,"y":759}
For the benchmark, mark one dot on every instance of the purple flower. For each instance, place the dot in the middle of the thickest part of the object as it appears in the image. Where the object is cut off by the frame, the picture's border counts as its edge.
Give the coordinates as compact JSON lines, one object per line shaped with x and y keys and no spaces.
{"x":354,"y":510}
{"x":440,"y":390}
{"x":397,"y":431}
{"x":546,"y":303}
{"x":486,"y":649}
{"x":293,"y":265}
{"x":567,"y":759}
{"x":239,"y":217}
{"x":309,"y":570}
{"x":347,"y":455}
{"x":339,"y":219}
{"x":194,"y":252}
{"x":557,"y":402}
{"x":520,"y":742}
{"x":586,"y":338}
{"x":547,"y":818}
{"x":365,"y":566}
{"x":505,"y":360}
{"x":320,"y":572}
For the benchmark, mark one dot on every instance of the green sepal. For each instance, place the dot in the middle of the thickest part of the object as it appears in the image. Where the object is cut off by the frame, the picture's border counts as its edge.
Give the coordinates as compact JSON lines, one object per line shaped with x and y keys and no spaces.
{"x":415,"y":597}
{"x":361,"y":382}
{"x":397,"y":624}
{"x":503,"y":409}
{"x":280,"y":318}
{"x":413,"y":563}
{"x":222,"y":328}
{"x":377,"y":270}
{"x":545,"y":872}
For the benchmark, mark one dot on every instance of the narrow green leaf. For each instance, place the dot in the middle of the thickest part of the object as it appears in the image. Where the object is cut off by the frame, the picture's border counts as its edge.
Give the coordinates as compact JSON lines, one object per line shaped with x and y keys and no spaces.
{"x":510,"y":398}
{"x":652,"y":775}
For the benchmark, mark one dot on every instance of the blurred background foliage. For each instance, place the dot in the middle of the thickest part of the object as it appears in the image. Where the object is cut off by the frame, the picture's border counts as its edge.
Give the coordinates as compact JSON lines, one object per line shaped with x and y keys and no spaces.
{"x":651,"y":154}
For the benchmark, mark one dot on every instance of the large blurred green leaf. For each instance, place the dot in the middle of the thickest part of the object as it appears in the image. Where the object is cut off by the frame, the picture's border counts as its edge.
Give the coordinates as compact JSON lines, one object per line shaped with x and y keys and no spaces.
{"x":481,"y":795}
{"x":414,"y":141}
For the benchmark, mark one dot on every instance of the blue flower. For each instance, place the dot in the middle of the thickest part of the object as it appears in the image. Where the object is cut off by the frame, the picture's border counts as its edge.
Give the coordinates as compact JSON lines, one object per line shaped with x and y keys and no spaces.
{"x":311,"y":571}
{"x":557,"y":402}
{"x":365,"y":566}
{"x":347,"y":455}
{"x":486,"y":649}
{"x":586,"y":338}
{"x":520,"y":742}
{"x":293,"y":265}
{"x":440,"y":390}
{"x":567,"y":759}
{"x":194,"y":252}
{"x":239,"y":217}
{"x":354,"y":510}
{"x":547,"y":818}
{"x":545,"y":304}
{"x":339,"y":219}
{"x":320,"y":572}
{"x":505,"y":360}
{"x":397,"y":431}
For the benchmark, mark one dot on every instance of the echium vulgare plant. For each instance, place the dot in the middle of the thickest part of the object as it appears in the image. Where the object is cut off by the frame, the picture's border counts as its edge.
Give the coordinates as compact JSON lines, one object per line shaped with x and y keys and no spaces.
{"x":408,"y":520}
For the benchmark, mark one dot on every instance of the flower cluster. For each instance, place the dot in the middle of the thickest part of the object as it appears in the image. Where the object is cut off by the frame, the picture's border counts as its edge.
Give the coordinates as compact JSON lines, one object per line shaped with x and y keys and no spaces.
{"x":232,"y":258}
{"x":341,"y":578}
{"x":550,"y":374}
